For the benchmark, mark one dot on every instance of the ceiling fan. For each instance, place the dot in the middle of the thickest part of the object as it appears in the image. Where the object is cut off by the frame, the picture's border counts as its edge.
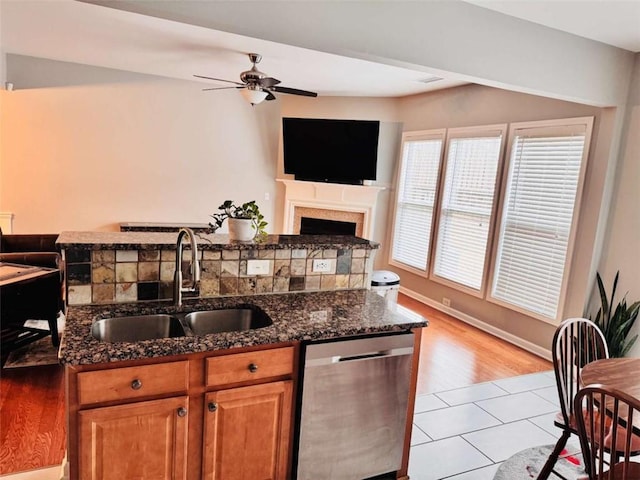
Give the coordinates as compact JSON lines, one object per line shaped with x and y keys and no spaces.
{"x":256,"y":86}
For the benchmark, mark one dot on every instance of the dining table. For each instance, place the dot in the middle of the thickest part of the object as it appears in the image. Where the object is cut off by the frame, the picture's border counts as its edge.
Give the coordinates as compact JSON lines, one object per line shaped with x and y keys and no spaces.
{"x":623,"y":374}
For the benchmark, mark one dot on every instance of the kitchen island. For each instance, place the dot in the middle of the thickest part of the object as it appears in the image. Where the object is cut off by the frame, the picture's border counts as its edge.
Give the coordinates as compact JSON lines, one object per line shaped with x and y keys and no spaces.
{"x":217,"y":405}
{"x":296,"y":317}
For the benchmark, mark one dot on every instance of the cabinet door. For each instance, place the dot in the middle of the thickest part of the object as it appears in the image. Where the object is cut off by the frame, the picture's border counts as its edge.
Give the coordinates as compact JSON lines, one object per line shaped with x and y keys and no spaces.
{"x":141,"y":440}
{"x":246,"y":432}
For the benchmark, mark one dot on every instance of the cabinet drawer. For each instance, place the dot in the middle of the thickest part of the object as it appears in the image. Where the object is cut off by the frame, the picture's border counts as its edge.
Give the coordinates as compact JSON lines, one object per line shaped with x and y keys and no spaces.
{"x":242,"y":367}
{"x":132,"y":382}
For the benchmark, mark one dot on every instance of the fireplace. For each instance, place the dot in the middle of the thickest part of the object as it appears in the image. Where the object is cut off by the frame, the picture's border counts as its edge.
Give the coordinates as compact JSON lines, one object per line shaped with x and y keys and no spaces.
{"x":352,"y":204}
{"x":321,"y":226}
{"x":329,"y":215}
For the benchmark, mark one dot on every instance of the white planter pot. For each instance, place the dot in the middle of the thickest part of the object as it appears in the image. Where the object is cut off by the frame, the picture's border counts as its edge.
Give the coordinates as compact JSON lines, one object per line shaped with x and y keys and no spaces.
{"x":241,"y":229}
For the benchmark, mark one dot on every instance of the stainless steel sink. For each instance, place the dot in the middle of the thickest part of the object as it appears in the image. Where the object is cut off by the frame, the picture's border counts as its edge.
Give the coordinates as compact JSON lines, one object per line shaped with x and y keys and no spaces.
{"x":136,"y":328}
{"x":227,"y":320}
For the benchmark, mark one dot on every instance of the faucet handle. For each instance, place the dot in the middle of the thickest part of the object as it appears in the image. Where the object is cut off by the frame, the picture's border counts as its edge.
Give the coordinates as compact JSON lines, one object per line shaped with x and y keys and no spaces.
{"x":195,"y":271}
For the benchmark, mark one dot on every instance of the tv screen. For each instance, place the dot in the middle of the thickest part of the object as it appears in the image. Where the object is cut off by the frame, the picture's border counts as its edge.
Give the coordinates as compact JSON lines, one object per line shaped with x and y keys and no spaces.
{"x":336,"y":151}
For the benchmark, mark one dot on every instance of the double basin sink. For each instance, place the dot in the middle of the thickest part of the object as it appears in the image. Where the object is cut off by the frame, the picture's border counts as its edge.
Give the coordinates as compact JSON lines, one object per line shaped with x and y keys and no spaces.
{"x":155,"y":326}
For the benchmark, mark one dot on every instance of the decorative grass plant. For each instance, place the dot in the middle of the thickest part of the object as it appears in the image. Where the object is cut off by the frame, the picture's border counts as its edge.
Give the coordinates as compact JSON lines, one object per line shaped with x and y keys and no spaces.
{"x":616,"y":324}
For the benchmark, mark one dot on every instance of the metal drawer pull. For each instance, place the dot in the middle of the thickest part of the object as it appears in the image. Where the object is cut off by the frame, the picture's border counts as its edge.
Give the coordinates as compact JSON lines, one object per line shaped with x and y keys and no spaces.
{"x":136,"y":384}
{"x":212,"y":406}
{"x":182,"y":412}
{"x":253,"y":368}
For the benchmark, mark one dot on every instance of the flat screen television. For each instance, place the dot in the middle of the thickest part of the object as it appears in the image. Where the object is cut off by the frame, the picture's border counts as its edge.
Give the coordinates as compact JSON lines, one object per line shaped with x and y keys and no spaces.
{"x":335,"y":151}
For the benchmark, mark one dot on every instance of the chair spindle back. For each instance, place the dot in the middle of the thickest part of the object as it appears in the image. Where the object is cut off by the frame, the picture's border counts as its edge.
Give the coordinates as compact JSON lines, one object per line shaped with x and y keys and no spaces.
{"x":576,"y":343}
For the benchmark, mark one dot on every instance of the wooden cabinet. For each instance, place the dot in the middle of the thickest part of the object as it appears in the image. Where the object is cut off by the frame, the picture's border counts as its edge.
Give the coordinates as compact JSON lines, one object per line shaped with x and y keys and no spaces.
{"x":246,"y":432}
{"x":249,"y":367}
{"x":142,"y":440}
{"x":212,"y":416}
{"x":247,"y":429}
{"x":132,"y":382}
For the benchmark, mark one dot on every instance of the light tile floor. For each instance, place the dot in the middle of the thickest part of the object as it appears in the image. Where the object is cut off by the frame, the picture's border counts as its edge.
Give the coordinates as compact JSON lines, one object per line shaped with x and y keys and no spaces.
{"x":465,"y":434}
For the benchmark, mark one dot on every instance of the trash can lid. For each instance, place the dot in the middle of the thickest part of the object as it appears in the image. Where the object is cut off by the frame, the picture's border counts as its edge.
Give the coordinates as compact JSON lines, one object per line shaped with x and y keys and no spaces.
{"x":383,"y":278}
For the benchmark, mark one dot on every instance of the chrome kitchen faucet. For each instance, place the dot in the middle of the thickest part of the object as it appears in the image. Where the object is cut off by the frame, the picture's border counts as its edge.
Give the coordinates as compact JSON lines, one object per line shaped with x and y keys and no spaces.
{"x":178,"y":289}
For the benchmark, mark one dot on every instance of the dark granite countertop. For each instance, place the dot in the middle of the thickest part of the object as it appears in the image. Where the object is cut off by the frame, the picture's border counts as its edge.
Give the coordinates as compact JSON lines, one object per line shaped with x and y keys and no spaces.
{"x":163,"y":227}
{"x":296,"y":316}
{"x":206,"y":241}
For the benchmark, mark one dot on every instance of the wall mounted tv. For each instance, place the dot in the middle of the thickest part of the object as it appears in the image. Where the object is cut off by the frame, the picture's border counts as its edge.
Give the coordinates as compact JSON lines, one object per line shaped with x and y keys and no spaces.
{"x":335,"y":151}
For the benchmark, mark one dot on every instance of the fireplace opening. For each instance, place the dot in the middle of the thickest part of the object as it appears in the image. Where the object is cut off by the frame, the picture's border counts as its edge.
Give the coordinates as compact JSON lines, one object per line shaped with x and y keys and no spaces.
{"x":319,"y":226}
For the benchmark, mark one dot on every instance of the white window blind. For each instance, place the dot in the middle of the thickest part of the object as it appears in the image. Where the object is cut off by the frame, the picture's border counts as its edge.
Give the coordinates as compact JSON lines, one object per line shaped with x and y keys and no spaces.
{"x":465,"y":213}
{"x":543,"y":179}
{"x":417,"y":185}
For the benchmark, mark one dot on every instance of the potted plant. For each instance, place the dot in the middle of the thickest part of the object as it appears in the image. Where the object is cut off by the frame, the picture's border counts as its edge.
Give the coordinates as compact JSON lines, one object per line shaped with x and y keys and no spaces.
{"x":245,"y":221}
{"x":616,"y":324}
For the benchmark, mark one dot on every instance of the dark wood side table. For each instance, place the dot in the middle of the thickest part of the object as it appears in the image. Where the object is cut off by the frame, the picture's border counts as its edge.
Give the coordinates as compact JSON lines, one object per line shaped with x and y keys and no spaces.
{"x":27,"y":292}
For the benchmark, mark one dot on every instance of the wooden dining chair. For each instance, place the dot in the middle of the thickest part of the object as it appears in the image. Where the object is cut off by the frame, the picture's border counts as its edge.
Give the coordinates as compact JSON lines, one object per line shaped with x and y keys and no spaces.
{"x":607,"y":430}
{"x":577,"y":342}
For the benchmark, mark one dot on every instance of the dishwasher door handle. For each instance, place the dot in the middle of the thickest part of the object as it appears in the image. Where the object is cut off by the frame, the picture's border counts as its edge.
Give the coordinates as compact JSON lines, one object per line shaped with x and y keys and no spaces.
{"x":363,"y":356}
{"x":316,"y":362}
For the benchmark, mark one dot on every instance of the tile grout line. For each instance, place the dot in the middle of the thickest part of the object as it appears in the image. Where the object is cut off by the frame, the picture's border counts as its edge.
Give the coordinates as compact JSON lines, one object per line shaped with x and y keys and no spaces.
{"x":500,"y":422}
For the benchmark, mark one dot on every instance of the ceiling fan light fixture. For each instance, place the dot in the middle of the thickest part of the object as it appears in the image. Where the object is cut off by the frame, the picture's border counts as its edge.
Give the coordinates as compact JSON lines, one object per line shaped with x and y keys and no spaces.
{"x":253,"y":96}
{"x":256,"y":86}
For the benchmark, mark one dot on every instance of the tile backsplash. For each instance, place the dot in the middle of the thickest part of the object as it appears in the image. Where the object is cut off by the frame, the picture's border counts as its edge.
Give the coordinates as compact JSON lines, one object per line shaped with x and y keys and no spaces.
{"x":118,"y":276}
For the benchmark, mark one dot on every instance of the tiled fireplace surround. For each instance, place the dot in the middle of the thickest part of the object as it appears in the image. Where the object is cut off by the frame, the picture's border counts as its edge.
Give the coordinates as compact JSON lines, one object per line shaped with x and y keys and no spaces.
{"x":115,"y":275}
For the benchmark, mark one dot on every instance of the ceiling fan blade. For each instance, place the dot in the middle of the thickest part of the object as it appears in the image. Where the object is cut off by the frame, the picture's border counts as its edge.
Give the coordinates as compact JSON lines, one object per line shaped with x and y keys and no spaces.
{"x":220,"y":88}
{"x":219,"y":80}
{"x":270,"y":96}
{"x":268,"y":82}
{"x":294,"y":91}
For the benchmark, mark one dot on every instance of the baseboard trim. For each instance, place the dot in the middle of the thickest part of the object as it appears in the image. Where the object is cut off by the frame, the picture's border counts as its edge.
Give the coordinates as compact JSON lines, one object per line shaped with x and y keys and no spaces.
{"x":495,"y":331}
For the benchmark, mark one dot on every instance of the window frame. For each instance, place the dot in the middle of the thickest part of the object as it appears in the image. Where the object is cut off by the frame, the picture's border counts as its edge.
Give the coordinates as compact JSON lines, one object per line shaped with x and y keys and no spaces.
{"x":439,"y":133}
{"x":552,"y":125}
{"x":469,"y":132}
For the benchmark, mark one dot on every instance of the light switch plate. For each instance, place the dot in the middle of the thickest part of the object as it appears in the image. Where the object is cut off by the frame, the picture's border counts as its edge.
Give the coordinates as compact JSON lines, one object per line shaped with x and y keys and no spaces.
{"x":321,"y":265}
{"x":258,"y":267}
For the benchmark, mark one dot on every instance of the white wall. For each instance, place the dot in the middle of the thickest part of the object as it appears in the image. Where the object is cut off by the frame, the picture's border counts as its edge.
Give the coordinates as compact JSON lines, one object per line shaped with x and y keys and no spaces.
{"x":90,"y":157}
{"x":620,"y":251}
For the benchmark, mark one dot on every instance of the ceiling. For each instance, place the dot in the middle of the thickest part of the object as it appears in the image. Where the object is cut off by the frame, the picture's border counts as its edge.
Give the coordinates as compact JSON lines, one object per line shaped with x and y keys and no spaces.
{"x":123,"y":40}
{"x":116,"y":39}
{"x":614,"y":22}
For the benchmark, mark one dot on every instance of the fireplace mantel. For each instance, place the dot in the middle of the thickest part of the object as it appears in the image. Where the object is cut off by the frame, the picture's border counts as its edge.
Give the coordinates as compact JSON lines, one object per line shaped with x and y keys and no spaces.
{"x":330,"y":196}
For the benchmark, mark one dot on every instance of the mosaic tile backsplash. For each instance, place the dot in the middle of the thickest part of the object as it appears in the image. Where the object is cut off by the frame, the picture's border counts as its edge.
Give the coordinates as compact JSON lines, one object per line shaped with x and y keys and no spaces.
{"x":119,"y":276}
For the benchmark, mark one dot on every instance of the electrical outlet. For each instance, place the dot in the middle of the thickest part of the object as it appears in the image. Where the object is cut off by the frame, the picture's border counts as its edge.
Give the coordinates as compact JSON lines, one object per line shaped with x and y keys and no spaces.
{"x":321,"y":265}
{"x":446,"y":301}
{"x":258,"y":267}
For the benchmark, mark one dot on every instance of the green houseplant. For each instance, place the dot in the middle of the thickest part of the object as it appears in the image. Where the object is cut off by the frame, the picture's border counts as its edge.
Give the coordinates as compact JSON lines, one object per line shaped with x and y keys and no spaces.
{"x":616,"y":323}
{"x":245,"y":221}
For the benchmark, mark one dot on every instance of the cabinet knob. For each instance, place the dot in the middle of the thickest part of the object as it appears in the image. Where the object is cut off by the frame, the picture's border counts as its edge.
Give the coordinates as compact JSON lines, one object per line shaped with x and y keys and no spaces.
{"x":182,"y":412}
{"x":136,"y":384}
{"x":212,"y":406}
{"x":253,"y":368}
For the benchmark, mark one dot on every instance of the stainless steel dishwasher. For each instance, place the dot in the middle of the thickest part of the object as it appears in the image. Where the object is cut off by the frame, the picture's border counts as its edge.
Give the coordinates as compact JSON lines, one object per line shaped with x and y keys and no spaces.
{"x":354,"y":407}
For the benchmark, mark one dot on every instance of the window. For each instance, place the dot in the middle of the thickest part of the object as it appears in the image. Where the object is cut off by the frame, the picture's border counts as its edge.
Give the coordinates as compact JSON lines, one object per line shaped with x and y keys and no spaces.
{"x":499,"y":226}
{"x":417,"y":184}
{"x":542,"y":189}
{"x":465,"y":215}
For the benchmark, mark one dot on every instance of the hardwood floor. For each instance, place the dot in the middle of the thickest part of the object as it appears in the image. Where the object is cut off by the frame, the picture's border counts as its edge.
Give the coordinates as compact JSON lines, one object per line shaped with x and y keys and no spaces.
{"x":454,"y":355}
{"x":32,"y":419}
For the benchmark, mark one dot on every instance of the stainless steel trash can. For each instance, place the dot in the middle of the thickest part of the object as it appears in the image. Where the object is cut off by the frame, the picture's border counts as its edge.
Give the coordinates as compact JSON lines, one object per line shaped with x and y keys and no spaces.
{"x":386,"y":284}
